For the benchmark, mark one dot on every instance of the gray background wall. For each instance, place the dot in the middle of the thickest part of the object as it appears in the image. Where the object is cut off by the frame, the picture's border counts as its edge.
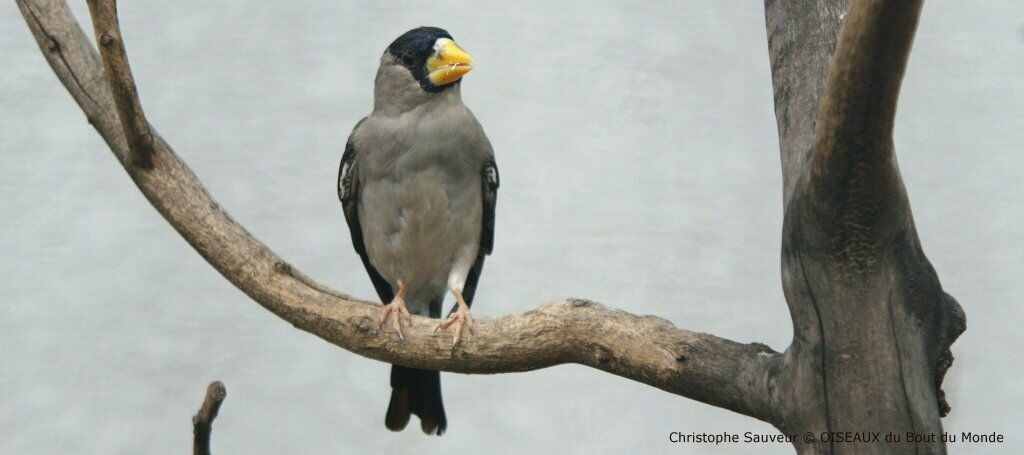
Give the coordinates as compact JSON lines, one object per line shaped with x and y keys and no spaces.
{"x":640,"y":168}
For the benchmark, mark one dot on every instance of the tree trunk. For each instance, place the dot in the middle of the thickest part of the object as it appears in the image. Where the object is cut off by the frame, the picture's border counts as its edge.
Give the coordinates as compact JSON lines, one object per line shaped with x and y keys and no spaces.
{"x":872,"y":325}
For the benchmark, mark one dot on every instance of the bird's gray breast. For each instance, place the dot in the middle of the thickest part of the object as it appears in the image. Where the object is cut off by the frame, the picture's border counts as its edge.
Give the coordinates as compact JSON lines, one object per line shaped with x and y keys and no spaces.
{"x":420,"y":203}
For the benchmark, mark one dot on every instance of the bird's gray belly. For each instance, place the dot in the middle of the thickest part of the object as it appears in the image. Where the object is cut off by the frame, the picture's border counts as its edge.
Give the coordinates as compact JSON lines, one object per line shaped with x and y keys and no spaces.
{"x":418,"y":227}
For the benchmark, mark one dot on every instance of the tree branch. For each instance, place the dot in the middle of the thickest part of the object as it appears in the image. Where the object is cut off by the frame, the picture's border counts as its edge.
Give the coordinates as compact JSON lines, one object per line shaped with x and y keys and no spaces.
{"x":853,"y":180}
{"x":643,"y":348}
{"x":802,"y":35}
{"x":122,"y":84}
{"x":859,"y":102}
{"x":202,"y":422}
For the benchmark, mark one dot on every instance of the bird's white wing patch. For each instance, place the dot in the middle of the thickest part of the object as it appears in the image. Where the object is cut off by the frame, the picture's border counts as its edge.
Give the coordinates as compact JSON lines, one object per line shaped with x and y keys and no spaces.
{"x":491,"y":173}
{"x":345,"y":187}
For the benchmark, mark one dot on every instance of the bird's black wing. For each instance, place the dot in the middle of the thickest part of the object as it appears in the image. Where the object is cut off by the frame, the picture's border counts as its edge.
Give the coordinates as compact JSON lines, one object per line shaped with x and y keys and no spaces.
{"x":348,"y":193}
{"x":490,"y":181}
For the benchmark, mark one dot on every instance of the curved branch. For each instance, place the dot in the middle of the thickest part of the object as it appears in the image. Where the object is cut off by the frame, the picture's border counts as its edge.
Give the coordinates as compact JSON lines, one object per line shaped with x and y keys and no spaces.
{"x":858,"y":105}
{"x":643,"y":348}
{"x":853,"y":181}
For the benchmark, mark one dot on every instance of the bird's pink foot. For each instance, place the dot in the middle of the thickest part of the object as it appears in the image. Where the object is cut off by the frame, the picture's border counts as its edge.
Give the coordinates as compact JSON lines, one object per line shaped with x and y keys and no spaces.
{"x":461,"y":319}
{"x":396,"y":306}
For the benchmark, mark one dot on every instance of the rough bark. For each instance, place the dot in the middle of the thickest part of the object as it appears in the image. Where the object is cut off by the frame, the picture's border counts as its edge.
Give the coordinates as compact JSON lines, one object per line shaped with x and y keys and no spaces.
{"x":202,"y":422}
{"x":872,"y":325}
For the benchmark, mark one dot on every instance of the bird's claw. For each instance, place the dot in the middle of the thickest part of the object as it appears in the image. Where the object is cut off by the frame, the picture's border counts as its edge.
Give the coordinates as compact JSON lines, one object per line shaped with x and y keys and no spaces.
{"x":396,"y":306}
{"x":462,"y":320}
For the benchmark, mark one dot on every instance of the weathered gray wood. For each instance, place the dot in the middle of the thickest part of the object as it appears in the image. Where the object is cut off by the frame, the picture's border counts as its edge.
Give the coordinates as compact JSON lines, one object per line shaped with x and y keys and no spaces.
{"x":801,"y":37}
{"x":872,"y":323}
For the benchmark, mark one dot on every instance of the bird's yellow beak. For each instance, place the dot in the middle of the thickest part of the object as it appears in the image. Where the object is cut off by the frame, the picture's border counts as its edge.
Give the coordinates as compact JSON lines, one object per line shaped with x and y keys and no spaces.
{"x":449,"y":62}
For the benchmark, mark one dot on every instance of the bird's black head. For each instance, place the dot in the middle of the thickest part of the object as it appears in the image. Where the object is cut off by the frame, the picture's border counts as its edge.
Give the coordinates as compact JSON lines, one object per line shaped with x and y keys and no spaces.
{"x":432,"y":57}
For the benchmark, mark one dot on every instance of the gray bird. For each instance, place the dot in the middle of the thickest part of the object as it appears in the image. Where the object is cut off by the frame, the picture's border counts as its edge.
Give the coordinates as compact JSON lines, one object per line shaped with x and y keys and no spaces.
{"x":418,"y":185}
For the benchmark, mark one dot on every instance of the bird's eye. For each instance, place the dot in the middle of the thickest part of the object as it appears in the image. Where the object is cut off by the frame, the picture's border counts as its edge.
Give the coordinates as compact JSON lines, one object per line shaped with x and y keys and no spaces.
{"x":407,"y":60}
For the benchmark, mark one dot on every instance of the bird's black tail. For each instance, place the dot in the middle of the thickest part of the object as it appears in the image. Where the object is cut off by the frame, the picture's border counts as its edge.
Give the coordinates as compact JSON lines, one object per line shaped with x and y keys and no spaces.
{"x":415,"y":391}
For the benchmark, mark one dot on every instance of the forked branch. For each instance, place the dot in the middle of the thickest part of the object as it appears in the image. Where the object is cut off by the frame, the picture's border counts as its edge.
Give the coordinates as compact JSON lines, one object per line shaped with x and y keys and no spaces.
{"x":875,"y":323}
{"x":643,"y":348}
{"x":122,"y":84}
{"x":872,"y":324}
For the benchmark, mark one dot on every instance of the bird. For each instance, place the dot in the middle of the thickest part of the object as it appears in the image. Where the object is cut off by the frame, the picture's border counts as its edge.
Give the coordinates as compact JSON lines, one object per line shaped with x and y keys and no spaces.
{"x":418,"y":185}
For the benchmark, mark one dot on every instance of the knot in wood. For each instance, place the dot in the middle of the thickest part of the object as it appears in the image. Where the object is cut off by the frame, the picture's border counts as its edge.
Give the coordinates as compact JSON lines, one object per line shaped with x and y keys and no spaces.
{"x":106,"y":40}
{"x":580,"y":303}
{"x":683,"y":353}
{"x":365,"y":326}
{"x":761,"y":347}
{"x":283,"y":267}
